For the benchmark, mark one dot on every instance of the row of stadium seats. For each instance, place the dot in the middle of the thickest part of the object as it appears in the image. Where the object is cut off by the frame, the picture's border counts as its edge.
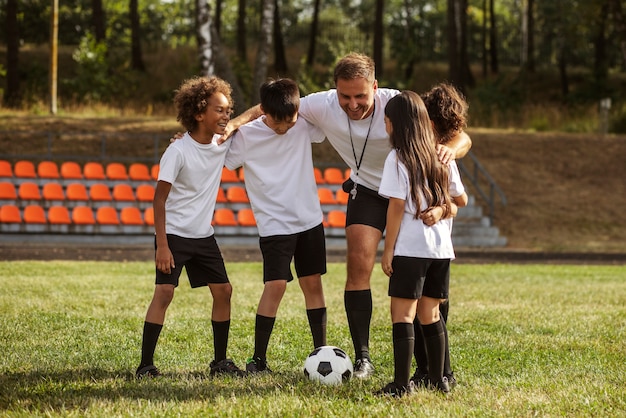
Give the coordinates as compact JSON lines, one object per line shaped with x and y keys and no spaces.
{"x":44,"y":171}
{"x":127,"y":220}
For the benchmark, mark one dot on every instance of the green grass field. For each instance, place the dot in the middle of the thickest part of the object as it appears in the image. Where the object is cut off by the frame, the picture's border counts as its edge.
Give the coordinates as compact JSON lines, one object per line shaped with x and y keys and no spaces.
{"x":526,"y":340}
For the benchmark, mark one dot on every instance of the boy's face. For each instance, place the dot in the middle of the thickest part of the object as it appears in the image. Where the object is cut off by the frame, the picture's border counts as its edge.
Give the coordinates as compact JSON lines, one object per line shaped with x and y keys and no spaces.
{"x":216,"y":116}
{"x":356,"y":97}
{"x":280,"y":126}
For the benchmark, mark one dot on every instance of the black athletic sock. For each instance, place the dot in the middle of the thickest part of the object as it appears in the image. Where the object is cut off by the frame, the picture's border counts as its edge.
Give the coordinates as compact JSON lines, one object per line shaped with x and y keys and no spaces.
{"x":317,"y":322}
{"x":151,"y":334}
{"x":419,"y":350}
{"x":444,"y":308}
{"x":435,"y":348}
{"x":220,"y":339}
{"x":262,"y":333}
{"x":358,"y":304}
{"x":447,"y":368}
{"x":403,"y":341}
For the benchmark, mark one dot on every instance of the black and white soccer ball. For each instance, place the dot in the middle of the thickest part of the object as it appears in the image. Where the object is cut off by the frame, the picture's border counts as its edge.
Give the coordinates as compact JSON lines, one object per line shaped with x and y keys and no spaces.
{"x":328,"y":365}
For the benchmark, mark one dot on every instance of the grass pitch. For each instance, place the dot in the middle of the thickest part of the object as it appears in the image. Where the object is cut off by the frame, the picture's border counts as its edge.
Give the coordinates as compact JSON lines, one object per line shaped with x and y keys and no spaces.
{"x":526,"y":340}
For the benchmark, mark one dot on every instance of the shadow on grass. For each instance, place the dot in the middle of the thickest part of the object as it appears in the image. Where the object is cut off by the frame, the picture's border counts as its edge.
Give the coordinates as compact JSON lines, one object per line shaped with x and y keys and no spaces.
{"x":84,"y":387}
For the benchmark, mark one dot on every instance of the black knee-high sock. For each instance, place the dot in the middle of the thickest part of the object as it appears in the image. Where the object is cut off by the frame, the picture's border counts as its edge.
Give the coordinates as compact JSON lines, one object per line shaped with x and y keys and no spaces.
{"x":358,"y":304}
{"x":403,"y":341}
{"x":262,"y":333}
{"x":444,"y":308}
{"x":220,"y":338}
{"x":435,"y":348}
{"x":447,"y":368}
{"x":151,"y":334}
{"x":317,"y":322}
{"x":419,"y":351}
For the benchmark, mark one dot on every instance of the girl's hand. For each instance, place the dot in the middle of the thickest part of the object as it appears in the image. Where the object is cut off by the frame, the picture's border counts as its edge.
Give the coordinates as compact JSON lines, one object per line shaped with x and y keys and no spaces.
{"x":445,"y":154}
{"x":432,"y":215}
{"x":386,"y":263}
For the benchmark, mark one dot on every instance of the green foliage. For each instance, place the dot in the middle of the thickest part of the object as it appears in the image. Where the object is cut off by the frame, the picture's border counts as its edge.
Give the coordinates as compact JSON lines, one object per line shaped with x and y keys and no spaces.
{"x":92,"y":81}
{"x":70,"y":347}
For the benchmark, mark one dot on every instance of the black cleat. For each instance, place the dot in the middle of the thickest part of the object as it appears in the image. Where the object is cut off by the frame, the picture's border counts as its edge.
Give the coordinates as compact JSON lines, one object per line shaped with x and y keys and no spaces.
{"x":363,"y":368}
{"x":225,"y":366}
{"x":149,"y":371}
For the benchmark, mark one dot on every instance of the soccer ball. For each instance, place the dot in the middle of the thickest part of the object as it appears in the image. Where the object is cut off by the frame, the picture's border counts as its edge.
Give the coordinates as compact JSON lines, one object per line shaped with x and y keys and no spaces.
{"x":328,"y":365}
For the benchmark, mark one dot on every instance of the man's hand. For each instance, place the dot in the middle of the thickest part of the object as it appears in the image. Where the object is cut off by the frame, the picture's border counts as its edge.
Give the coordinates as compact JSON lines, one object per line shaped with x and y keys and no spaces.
{"x":445,"y":154}
{"x":177,"y":135}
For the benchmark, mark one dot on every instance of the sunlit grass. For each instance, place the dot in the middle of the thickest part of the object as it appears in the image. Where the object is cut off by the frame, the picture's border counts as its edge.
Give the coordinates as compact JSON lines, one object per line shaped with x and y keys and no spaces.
{"x":526,"y":340}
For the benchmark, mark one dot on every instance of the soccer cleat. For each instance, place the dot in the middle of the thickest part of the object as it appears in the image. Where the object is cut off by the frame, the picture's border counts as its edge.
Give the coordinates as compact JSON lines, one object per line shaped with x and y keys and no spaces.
{"x":225,"y":366}
{"x":257,"y":365}
{"x":149,"y":371}
{"x":420,"y":379}
{"x":441,"y":386}
{"x":363,"y":368}
{"x":451,"y":380}
{"x":393,"y":390}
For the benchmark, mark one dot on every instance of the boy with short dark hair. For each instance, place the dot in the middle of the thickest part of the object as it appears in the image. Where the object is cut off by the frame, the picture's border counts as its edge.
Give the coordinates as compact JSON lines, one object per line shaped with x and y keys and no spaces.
{"x":184,"y":201}
{"x":275,"y":152}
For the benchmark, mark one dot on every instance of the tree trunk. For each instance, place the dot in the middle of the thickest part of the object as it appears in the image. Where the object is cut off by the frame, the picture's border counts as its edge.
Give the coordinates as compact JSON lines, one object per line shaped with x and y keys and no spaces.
{"x":562,"y":61}
{"x":601,"y":64}
{"x":484,"y":39}
{"x":493,"y":39}
{"x":280,"y":58}
{"x":135,"y":38}
{"x":242,"y":50}
{"x":454,"y":73}
{"x":97,"y":18}
{"x":379,"y":37}
{"x":620,"y":27}
{"x":218,"y":17}
{"x":262,"y":55}
{"x":530,"y":36}
{"x":466,"y":72}
{"x":12,"y":97}
{"x":310,"y":57}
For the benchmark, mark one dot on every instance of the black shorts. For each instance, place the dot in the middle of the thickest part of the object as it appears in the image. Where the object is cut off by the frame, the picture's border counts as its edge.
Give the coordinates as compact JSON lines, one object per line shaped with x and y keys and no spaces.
{"x":307,"y":249}
{"x":368,"y":208}
{"x":414,"y":277}
{"x":201,"y":257}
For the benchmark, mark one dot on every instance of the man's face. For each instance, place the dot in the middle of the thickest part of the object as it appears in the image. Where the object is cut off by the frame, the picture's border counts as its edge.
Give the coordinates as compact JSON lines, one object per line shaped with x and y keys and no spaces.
{"x":280,"y":126}
{"x":356,"y":97}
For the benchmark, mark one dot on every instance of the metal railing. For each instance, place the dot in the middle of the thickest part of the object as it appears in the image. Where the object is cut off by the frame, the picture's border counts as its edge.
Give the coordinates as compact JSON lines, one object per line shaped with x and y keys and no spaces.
{"x":482,"y":182}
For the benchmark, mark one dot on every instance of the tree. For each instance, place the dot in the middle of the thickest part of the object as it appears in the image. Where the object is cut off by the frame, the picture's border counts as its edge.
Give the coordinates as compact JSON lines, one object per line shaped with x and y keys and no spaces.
{"x":493,"y":38}
{"x":620,"y":27}
{"x":310,"y":57}
{"x":98,"y":20}
{"x":378,"y":37}
{"x":218,"y":16}
{"x":135,"y":37}
{"x":528,"y":37}
{"x":242,"y":52}
{"x":280,"y":58}
{"x":262,"y":54}
{"x":12,"y":92}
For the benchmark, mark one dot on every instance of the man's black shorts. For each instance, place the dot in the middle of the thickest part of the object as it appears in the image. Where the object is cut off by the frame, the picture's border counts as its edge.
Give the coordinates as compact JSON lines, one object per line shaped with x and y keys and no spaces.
{"x":368,"y":208}
{"x":201,"y":257}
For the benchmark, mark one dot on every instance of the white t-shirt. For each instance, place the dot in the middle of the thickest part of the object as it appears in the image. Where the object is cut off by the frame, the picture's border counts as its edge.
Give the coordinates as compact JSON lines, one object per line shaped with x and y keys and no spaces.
{"x":279,"y":175}
{"x":416,"y":239}
{"x":322,"y":110}
{"x":194,"y":170}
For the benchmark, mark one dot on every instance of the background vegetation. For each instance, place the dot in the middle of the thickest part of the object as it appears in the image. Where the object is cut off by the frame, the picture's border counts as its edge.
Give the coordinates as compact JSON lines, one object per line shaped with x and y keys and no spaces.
{"x":546,"y":76}
{"x":537,"y":347}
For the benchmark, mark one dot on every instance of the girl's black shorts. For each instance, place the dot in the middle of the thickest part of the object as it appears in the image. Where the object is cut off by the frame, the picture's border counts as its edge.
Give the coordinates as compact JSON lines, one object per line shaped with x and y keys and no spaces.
{"x":414,"y":277}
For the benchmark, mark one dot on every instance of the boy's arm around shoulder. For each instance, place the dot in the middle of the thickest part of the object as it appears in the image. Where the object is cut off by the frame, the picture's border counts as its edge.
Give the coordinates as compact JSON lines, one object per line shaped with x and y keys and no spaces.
{"x":455,"y":148}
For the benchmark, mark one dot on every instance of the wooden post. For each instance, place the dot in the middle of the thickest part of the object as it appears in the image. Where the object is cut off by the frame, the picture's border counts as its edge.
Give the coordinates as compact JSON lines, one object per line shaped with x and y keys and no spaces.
{"x":54,"y":39}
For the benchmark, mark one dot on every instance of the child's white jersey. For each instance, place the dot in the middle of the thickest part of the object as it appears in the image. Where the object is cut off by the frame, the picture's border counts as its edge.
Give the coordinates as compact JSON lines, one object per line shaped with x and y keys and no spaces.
{"x":416,"y":239}
{"x":279,"y":175}
{"x":322,"y":109}
{"x":194,"y":170}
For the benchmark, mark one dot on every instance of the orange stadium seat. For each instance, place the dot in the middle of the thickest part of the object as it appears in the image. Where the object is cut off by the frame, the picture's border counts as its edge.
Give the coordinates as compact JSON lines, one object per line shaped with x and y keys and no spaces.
{"x":29,"y":191}
{"x":107,"y":215}
{"x":225,"y":217}
{"x":52,"y":191}
{"x":100,"y":192}
{"x":5,"y":169}
{"x":245,"y":217}
{"x":154,"y":172}
{"x":83,"y":215}
{"x":319,"y":177}
{"x":123,"y":192}
{"x":34,"y":214}
{"x":145,"y":193}
{"x":148,"y":216}
{"x":336,"y":219}
{"x":71,"y":170}
{"x":116,"y":171}
{"x":341,"y":196}
{"x":131,"y":216}
{"x":94,"y":171}
{"x":7,"y":191}
{"x":59,"y":215}
{"x":10,"y":214}
{"x":76,"y":191}
{"x":221,"y":196}
{"x":333,"y":175}
{"x":139,"y":172}
{"x":48,"y":170}
{"x":229,"y":176}
{"x":237,"y":194}
{"x":25,"y":169}
{"x":326,"y":196}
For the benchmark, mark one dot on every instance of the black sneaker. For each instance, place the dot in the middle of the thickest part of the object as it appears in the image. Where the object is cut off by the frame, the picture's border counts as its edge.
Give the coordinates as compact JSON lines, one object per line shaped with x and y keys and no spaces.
{"x":393,"y":390}
{"x":451,"y":380}
{"x":420,"y":379}
{"x":441,"y":386}
{"x":363,"y":368}
{"x":225,"y":366}
{"x":149,"y":371}
{"x":257,"y":365}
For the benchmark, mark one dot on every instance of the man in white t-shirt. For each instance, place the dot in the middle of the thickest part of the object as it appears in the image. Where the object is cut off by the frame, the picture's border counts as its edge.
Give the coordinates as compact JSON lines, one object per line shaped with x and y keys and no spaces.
{"x":184,"y":200}
{"x":351,"y":117}
{"x":275,"y":153}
